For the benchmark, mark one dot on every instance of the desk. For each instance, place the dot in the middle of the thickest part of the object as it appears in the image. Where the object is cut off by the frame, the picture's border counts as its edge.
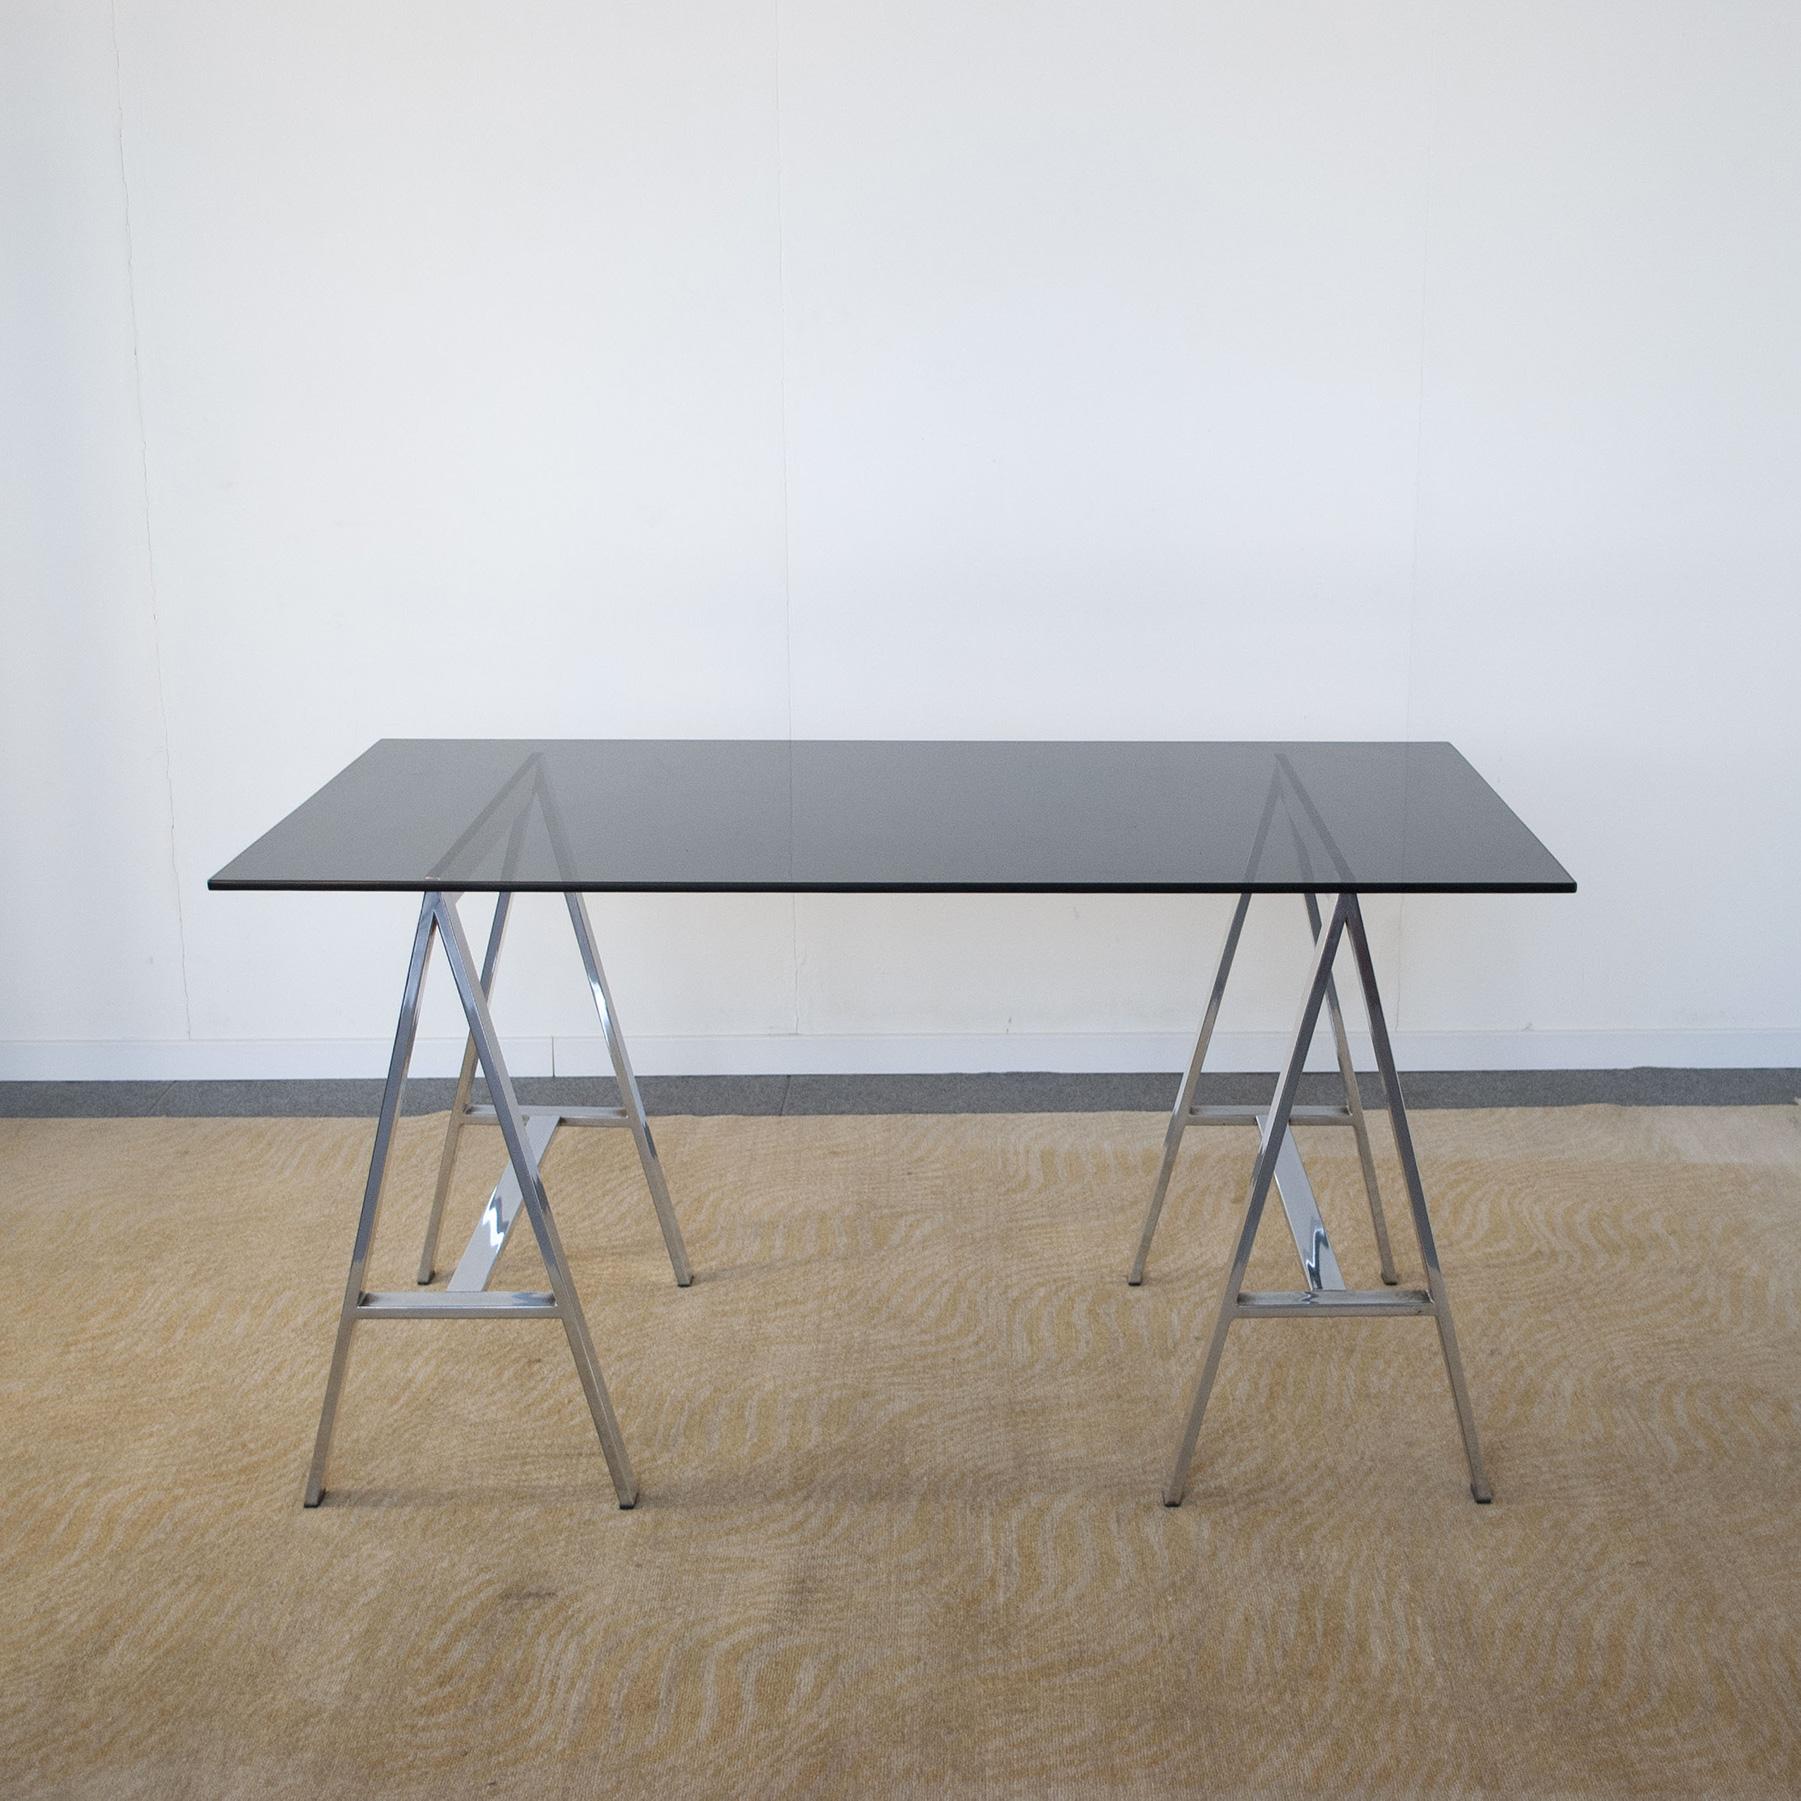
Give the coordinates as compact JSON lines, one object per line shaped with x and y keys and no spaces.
{"x":1326,"y":822}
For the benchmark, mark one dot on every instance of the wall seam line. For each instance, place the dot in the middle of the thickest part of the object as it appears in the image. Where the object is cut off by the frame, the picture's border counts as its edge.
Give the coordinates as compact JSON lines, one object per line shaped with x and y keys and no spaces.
{"x":156,"y":627}
{"x":781,"y":315}
{"x":1427,"y":15}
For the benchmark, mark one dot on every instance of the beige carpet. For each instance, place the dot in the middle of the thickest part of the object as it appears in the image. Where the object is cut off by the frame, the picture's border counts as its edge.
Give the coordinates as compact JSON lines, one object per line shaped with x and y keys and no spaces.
{"x":900,"y":1448}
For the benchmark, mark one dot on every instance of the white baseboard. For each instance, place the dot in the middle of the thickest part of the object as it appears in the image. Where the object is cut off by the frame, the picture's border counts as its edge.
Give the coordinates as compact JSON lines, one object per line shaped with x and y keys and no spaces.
{"x":885,"y":1054}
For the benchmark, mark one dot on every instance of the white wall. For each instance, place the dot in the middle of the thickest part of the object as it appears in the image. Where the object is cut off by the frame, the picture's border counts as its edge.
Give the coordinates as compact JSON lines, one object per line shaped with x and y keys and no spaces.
{"x":1191,"y":369}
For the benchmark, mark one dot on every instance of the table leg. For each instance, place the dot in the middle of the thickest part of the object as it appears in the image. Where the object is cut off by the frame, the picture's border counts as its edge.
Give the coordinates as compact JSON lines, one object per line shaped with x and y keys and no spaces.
{"x":1274,"y":1136}
{"x":401,"y":1057}
{"x":438,"y":916}
{"x":1325,"y":1295}
{"x":1178,"y":1119}
{"x":512,"y":1123}
{"x":1347,"y":1070}
{"x":1416,"y":1200}
{"x":459,"y":1107}
{"x":499,"y":1216}
{"x":629,"y":1097}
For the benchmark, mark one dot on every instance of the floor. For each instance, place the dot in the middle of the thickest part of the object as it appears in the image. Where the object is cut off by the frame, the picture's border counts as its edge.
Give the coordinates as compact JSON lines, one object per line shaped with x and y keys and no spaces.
{"x":900,"y":1448}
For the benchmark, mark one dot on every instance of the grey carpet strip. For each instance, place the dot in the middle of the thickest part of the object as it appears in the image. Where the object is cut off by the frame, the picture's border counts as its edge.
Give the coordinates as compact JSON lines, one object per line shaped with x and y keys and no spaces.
{"x":1025,"y":1092}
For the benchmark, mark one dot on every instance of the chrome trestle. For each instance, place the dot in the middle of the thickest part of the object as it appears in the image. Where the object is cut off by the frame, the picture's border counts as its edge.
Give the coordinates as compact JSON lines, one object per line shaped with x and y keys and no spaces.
{"x":1279,"y":1164}
{"x":527,"y":1132}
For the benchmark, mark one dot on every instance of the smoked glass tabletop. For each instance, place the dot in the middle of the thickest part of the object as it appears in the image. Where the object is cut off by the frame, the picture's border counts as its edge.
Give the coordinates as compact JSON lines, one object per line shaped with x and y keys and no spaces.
{"x":868,"y":816}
